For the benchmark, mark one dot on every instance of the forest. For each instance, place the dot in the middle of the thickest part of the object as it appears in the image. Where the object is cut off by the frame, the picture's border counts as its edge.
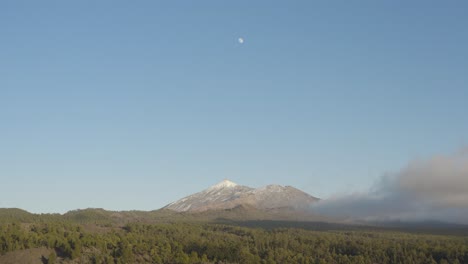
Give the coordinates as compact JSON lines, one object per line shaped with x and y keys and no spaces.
{"x":70,"y":241}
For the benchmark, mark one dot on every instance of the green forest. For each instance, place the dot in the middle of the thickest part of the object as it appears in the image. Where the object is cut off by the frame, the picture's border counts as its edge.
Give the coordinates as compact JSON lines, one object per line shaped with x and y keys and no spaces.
{"x":209,"y":242}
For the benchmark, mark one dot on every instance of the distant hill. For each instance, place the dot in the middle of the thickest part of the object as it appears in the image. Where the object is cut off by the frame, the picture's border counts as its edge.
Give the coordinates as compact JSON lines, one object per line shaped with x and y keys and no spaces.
{"x":14,"y":213}
{"x":20,"y":215}
{"x":103,"y":217}
{"x":97,"y":220}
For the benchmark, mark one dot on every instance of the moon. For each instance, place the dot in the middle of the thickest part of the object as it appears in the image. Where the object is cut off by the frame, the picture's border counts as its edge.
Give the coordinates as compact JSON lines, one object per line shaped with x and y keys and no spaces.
{"x":241,"y":40}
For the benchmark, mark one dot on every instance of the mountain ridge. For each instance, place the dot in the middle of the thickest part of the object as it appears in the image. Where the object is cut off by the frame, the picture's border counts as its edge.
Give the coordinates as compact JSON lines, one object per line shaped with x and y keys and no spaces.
{"x":227,"y":194}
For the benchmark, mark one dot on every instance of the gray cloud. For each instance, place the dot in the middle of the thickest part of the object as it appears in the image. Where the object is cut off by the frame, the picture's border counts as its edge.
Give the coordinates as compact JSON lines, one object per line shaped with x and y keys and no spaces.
{"x":435,"y":189}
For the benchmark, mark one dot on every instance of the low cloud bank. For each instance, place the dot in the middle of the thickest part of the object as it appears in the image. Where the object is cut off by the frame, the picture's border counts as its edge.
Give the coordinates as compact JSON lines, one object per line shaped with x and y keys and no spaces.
{"x":433,"y":189}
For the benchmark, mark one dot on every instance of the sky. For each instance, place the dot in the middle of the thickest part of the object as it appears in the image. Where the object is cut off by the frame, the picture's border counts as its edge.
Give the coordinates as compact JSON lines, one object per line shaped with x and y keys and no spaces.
{"x":131,"y":105}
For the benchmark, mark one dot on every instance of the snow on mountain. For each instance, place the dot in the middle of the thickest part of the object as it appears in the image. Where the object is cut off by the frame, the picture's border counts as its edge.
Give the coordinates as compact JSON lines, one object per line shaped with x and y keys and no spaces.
{"x":224,"y":184}
{"x":228,"y":194}
{"x":216,"y":196}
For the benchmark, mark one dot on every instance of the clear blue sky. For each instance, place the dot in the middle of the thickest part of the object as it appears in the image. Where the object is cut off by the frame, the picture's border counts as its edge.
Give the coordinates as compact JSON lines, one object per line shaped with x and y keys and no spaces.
{"x":133,"y":104}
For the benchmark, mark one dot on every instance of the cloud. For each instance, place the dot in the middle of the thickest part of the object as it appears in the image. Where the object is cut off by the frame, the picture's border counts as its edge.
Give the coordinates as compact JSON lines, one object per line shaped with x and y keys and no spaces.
{"x":432,"y":189}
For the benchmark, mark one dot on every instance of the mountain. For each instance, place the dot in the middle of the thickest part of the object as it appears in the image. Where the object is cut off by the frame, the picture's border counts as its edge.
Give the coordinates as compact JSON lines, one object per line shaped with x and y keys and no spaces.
{"x":227,"y":195}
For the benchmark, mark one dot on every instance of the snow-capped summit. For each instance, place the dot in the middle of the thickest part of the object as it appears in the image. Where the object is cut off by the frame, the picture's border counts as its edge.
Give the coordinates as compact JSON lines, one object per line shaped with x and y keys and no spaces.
{"x":224,"y":184}
{"x":227,"y":194}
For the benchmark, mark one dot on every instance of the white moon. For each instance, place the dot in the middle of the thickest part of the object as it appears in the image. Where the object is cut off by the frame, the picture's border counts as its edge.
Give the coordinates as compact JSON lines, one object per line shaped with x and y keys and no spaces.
{"x":241,"y":40}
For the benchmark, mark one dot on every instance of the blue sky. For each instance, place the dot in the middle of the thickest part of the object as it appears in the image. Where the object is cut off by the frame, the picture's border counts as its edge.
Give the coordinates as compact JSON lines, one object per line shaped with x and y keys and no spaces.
{"x":126,"y":105}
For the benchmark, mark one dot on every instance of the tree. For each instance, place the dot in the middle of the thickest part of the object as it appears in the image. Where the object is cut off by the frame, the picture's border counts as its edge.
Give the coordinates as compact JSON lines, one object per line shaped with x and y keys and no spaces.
{"x":52,"y":258}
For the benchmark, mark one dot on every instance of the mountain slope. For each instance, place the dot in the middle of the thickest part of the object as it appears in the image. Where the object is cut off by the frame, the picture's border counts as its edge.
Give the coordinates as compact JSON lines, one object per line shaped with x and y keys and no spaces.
{"x":227,"y":194}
